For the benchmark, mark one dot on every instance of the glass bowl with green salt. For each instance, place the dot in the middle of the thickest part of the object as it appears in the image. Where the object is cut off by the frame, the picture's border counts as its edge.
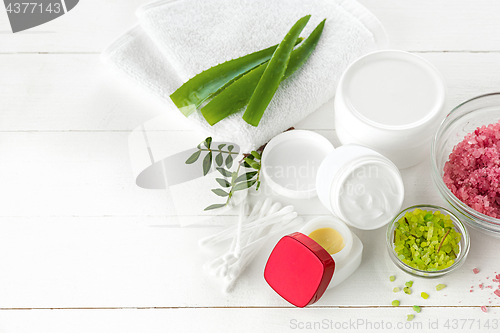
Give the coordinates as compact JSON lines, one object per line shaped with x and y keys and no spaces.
{"x":427,"y":241}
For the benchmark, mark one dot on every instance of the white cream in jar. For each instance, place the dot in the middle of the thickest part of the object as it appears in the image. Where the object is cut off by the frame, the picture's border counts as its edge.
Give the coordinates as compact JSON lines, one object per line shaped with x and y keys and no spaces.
{"x":370,"y":193}
{"x":360,"y":186}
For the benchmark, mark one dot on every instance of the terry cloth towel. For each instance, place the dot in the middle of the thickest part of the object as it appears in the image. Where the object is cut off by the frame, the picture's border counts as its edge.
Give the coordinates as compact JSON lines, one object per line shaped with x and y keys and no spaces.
{"x":176,"y":40}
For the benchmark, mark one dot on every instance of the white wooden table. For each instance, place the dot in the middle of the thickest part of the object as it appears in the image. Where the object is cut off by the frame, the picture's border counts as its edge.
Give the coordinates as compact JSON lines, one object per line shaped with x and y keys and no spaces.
{"x":78,"y":246}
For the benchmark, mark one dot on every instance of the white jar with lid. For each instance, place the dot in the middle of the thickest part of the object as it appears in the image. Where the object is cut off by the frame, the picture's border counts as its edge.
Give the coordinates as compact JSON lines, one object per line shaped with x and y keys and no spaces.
{"x":360,"y":186}
{"x":393,"y":102}
{"x":357,"y":184}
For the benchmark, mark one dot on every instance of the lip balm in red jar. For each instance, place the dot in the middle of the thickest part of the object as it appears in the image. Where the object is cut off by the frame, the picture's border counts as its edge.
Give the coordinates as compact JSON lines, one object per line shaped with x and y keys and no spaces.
{"x":304,"y":264}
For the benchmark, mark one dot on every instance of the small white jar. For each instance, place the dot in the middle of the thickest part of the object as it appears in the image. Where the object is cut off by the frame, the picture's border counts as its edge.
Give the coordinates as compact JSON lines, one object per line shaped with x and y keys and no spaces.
{"x":290,"y":162}
{"x":393,"y":102}
{"x":360,"y":186}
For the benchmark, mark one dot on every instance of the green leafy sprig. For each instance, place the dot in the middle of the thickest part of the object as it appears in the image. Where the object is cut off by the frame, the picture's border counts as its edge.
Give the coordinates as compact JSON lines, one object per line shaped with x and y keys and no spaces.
{"x":219,"y":158}
{"x":232,"y":181}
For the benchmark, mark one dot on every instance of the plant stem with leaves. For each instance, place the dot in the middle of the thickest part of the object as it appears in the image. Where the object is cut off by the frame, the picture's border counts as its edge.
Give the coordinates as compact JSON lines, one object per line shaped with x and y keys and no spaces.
{"x":232,"y":181}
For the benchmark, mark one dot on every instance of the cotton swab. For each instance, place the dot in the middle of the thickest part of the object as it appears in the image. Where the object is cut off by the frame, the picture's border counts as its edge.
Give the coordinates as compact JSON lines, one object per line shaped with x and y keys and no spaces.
{"x":204,"y":241}
{"x":256,"y":245}
{"x":253,"y":229}
{"x":237,"y":247}
{"x":232,"y":253}
{"x":256,"y":209}
{"x":227,"y":233}
{"x":286,"y":219}
{"x":258,"y":231}
{"x":287,"y":222}
{"x":265,"y":208}
{"x":228,"y":256}
{"x":279,"y":228}
{"x":235,"y":270}
{"x":230,"y":233}
{"x":280,"y":220}
{"x":251,"y":218}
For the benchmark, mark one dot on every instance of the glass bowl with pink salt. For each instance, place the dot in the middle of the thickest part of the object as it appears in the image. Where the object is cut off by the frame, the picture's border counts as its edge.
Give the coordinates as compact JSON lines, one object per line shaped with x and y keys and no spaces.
{"x":466,"y":162}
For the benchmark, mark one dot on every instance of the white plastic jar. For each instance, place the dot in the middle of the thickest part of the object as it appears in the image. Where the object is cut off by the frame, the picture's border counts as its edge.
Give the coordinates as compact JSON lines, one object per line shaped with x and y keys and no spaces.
{"x":360,"y":186}
{"x":357,"y":184}
{"x":393,"y":102}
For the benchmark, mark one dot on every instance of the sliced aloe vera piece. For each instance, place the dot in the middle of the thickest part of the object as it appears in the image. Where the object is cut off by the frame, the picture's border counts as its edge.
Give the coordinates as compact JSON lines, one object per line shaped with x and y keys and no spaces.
{"x":238,"y":94}
{"x":272,"y":76}
{"x":196,"y":90}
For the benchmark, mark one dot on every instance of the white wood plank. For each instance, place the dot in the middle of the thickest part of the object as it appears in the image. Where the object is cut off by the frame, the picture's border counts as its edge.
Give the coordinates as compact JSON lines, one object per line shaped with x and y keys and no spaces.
{"x":62,"y":262}
{"x":89,"y":174}
{"x":424,"y":25}
{"x":71,"y":174}
{"x":439,"y":25}
{"x":249,"y":320}
{"x":76,"y":92}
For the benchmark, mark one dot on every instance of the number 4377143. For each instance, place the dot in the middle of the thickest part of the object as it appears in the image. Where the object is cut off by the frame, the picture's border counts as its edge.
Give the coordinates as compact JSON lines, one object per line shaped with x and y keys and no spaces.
{"x":471,"y":323}
{"x":33,"y":7}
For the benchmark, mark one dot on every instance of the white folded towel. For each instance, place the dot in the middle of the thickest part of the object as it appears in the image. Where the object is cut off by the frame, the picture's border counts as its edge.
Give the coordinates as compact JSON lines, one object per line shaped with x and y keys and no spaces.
{"x":176,"y":40}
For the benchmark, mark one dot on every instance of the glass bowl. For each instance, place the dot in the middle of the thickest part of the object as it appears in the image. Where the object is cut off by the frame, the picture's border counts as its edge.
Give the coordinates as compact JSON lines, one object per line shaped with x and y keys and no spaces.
{"x":464,"y":119}
{"x":459,"y":227}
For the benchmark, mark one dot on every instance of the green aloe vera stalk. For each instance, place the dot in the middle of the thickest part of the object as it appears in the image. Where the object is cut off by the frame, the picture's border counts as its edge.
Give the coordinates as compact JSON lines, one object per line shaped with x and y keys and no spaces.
{"x":237,"y":95}
{"x":273,"y":75}
{"x":196,"y":90}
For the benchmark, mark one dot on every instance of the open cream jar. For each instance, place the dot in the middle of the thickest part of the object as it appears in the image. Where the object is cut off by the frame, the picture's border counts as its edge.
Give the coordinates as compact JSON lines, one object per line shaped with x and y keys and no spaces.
{"x":357,"y":184}
{"x":300,"y":270}
{"x":393,"y":102}
{"x":360,"y":186}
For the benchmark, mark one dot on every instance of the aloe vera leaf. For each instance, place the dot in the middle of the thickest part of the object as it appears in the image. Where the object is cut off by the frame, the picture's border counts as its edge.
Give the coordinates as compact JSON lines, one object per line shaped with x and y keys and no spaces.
{"x":233,"y":98}
{"x":221,"y":89}
{"x":239,"y":93}
{"x":300,"y":55}
{"x":272,"y":76}
{"x":196,"y":90}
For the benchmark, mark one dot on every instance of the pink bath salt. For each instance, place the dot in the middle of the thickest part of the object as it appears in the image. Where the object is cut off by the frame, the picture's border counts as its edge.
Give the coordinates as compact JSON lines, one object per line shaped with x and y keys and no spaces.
{"x":481,"y":286}
{"x":471,"y":290}
{"x":484,"y":309}
{"x":497,"y":292}
{"x":491,"y":287}
{"x":475,"y":270}
{"x":472,"y":172}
